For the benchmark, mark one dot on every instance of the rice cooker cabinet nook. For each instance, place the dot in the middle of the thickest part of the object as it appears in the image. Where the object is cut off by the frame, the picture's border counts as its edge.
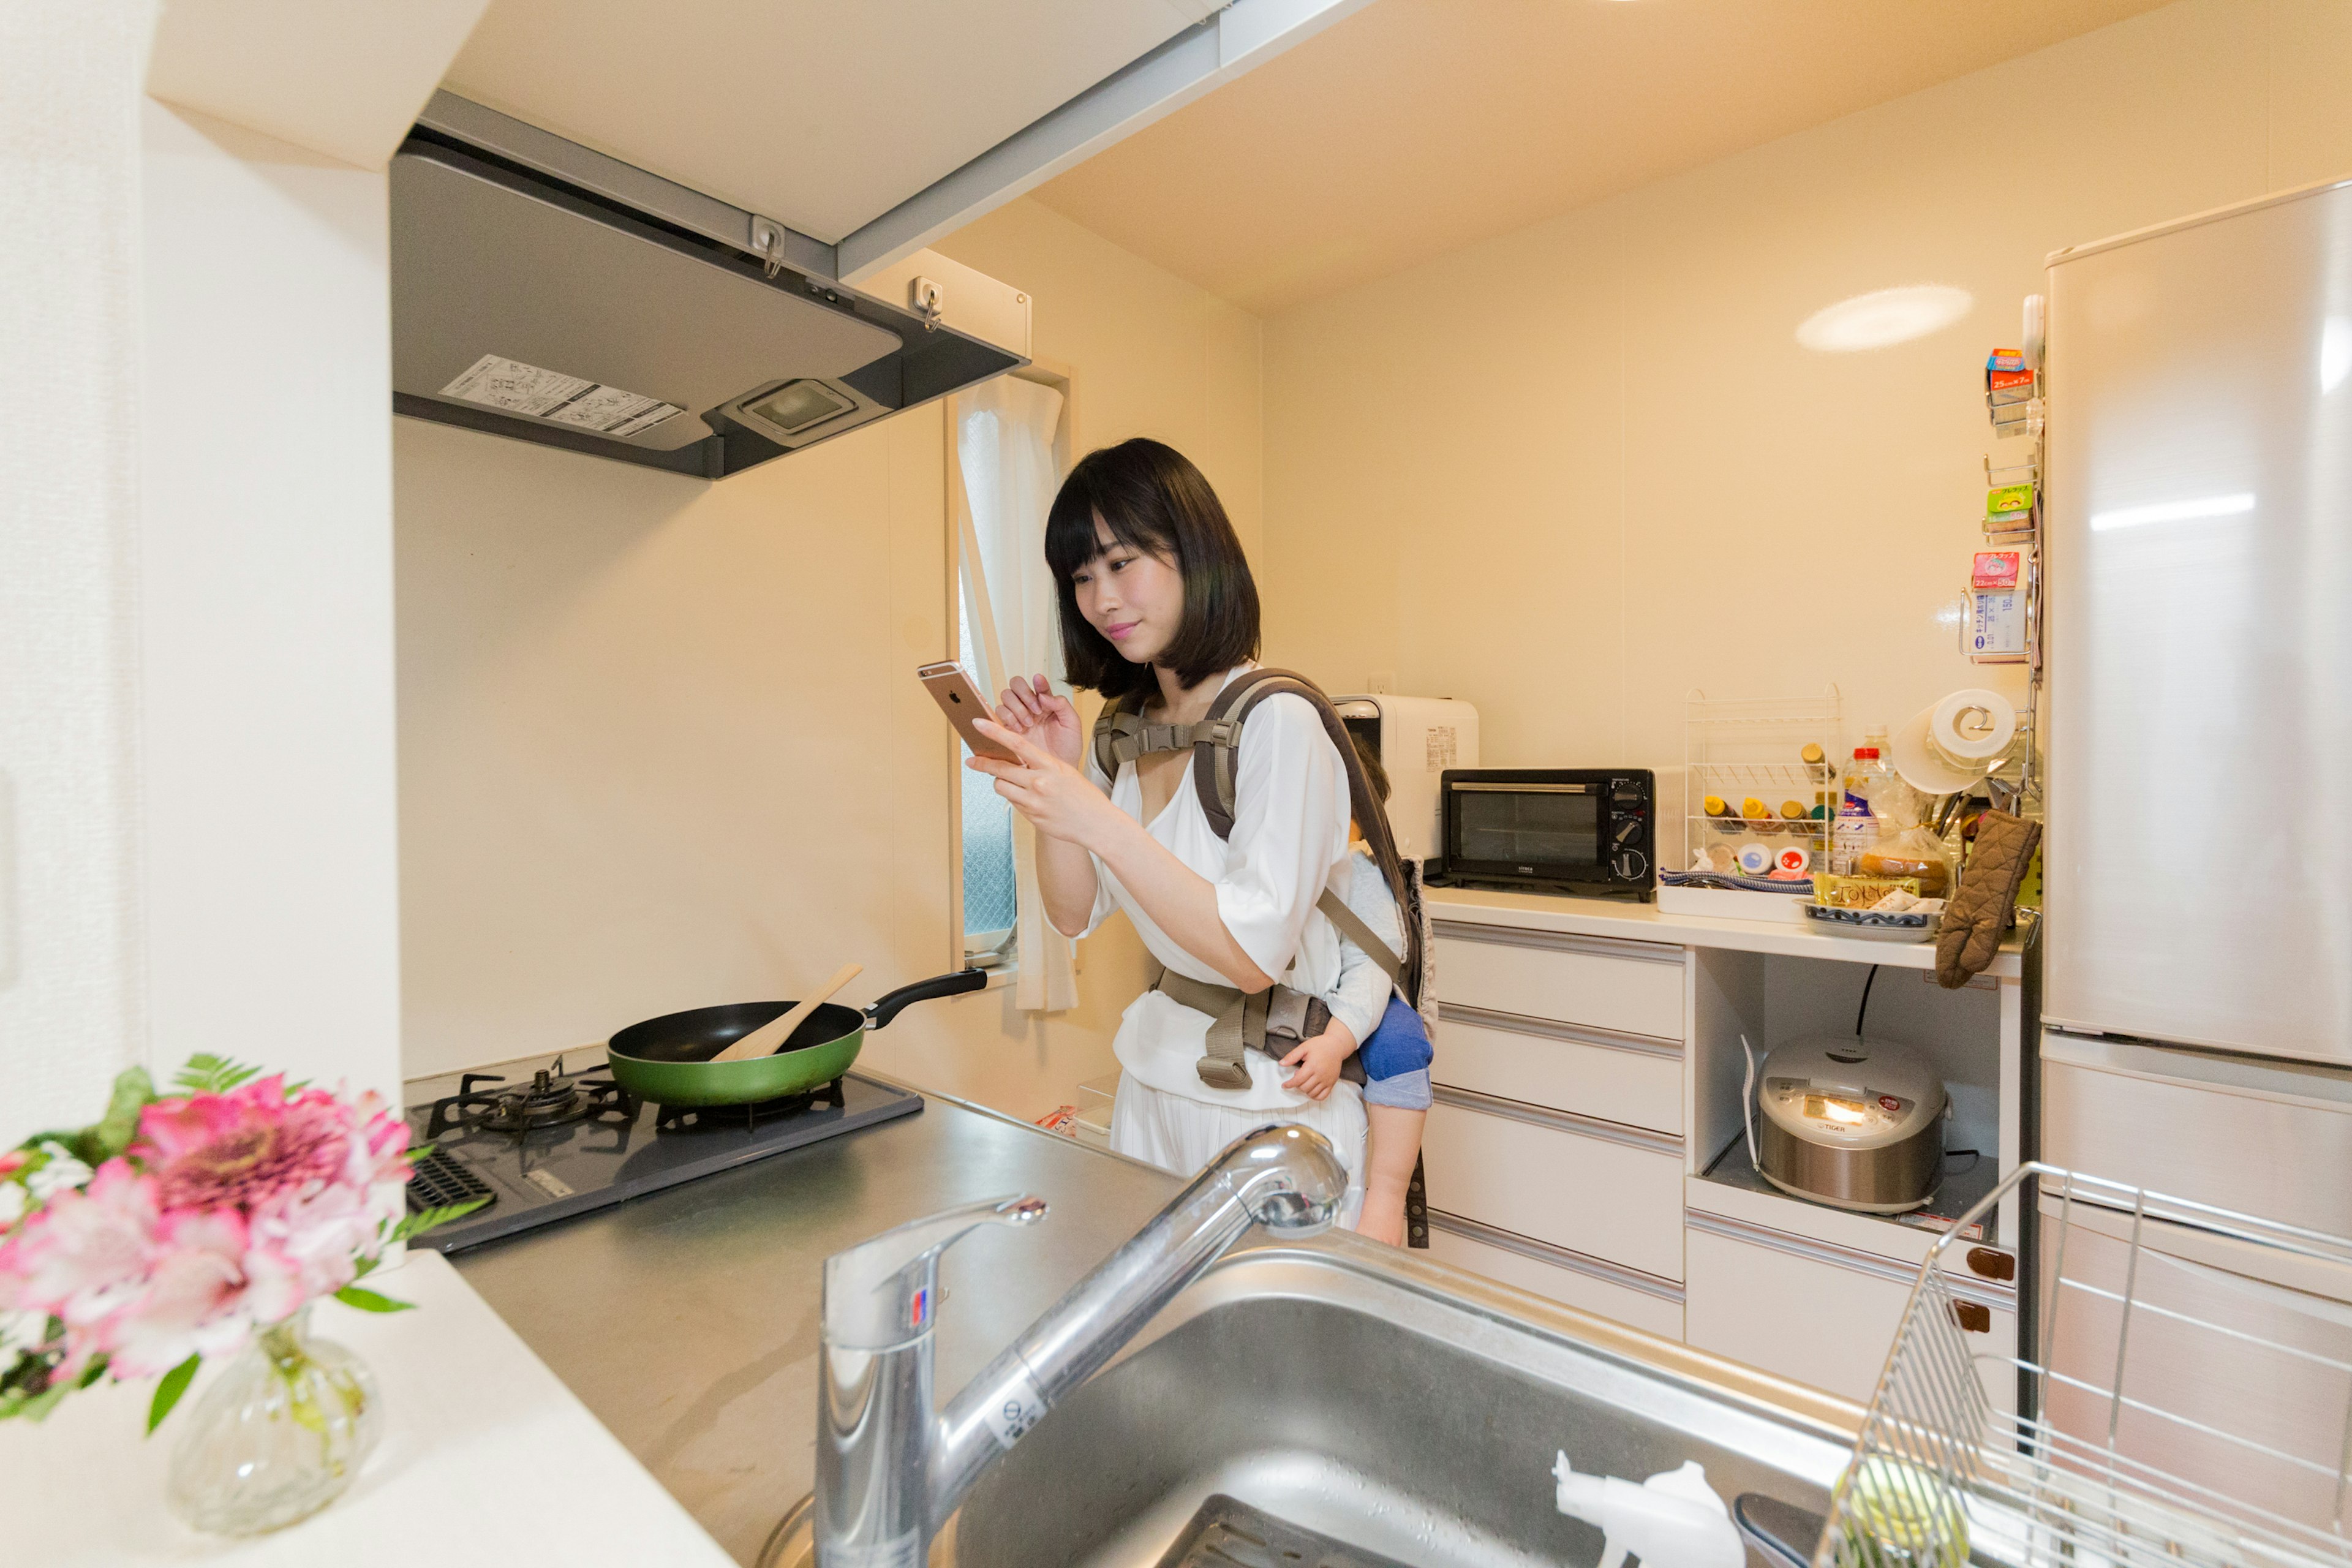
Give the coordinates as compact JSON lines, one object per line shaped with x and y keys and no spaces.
{"x":1854,"y":1122}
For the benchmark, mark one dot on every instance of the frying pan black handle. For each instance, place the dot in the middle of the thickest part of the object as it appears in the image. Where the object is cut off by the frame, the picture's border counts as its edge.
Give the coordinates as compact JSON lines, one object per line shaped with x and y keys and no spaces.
{"x":887,"y":1007}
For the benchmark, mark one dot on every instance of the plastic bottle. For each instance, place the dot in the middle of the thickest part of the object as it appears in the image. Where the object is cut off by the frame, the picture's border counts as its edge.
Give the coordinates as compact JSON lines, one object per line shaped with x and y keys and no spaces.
{"x":1672,"y":1521}
{"x":1856,"y":829}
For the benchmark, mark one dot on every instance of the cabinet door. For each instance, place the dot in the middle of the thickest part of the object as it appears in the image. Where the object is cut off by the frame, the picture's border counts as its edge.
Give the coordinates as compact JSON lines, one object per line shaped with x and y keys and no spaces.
{"x":1562,"y":1277}
{"x":1613,"y":1193}
{"x":1631,"y":987}
{"x":1628,"y":1078}
{"x":1815,"y":1312}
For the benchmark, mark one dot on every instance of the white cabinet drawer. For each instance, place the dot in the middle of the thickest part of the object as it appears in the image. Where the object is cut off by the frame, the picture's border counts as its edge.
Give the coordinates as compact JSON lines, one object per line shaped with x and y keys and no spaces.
{"x":1613,"y":1193}
{"x":1630,"y":1079}
{"x":1631,"y":987}
{"x":1655,"y":1307}
{"x":1816,"y":1312}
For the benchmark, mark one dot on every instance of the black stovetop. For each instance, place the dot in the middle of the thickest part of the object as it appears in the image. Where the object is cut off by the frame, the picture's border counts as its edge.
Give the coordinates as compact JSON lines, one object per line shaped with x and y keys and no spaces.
{"x":548,"y":1143}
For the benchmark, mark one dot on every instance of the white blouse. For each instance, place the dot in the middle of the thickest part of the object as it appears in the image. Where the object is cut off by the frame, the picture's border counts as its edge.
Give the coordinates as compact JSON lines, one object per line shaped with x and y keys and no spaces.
{"x":1290,"y":842}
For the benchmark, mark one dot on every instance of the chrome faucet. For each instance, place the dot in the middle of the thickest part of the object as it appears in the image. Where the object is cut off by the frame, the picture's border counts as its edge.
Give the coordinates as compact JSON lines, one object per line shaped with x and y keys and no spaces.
{"x":888,"y":1472}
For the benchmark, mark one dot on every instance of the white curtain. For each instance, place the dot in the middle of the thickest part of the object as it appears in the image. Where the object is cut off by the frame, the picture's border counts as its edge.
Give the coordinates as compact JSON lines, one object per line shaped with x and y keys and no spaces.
{"x":1004,"y":458}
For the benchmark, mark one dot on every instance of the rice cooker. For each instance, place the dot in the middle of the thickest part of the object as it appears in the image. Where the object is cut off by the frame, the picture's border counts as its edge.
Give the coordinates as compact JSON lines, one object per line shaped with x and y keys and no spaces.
{"x":1854,"y":1122}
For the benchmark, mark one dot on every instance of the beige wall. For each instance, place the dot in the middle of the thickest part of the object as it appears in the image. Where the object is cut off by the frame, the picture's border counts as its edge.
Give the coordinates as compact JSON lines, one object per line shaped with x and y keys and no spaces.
{"x":1571,"y":473}
{"x":660,"y":745}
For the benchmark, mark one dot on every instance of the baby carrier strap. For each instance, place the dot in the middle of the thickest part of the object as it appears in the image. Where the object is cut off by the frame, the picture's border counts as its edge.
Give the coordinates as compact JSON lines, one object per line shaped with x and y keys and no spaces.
{"x":1120,"y":735}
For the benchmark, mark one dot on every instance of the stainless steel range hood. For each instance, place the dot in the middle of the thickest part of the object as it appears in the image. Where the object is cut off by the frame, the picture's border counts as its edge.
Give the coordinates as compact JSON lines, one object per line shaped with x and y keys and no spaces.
{"x":545,"y":292}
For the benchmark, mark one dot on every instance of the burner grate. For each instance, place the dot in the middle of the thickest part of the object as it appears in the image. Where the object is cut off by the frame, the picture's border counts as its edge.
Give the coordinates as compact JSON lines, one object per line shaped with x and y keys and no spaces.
{"x":439,"y":1181}
{"x":707,"y":1118}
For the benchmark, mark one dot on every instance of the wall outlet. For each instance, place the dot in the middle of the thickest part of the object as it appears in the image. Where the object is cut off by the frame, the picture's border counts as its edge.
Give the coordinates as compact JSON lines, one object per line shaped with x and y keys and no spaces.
{"x":1381,"y":680}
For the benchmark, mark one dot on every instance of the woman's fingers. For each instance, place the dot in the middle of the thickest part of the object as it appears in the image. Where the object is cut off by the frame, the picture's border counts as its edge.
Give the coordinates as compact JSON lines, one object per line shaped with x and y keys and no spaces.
{"x":1027,"y":749}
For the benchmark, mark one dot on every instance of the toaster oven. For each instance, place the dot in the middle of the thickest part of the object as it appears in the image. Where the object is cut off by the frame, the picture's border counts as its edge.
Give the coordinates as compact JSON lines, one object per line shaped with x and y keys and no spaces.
{"x":1565,"y":830}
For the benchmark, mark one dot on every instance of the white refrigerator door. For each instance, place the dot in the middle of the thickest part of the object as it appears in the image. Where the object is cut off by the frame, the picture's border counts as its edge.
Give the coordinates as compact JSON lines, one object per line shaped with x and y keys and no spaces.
{"x":2199,"y":587}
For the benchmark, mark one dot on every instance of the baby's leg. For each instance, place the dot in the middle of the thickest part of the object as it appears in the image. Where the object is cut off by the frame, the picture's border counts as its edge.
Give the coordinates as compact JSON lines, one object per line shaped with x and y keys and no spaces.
{"x":1393,"y":1148}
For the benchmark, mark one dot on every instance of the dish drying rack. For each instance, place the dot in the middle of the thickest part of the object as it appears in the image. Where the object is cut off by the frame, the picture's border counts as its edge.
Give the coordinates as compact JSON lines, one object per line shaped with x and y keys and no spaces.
{"x":1744,"y":748}
{"x":2105,"y":1469}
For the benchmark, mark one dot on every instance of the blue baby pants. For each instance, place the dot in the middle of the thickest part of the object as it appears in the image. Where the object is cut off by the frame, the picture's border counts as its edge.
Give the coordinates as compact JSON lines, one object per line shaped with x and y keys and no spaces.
{"x":1396,"y":1060}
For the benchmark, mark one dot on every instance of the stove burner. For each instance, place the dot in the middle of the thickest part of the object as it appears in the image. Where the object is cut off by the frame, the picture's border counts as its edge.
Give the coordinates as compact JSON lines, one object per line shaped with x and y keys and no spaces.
{"x":553,"y":1099}
{"x":711,"y":1118}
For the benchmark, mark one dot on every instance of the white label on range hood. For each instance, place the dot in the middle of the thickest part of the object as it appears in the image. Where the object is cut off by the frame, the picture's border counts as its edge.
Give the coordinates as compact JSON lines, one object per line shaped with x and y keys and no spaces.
{"x":520,"y":388}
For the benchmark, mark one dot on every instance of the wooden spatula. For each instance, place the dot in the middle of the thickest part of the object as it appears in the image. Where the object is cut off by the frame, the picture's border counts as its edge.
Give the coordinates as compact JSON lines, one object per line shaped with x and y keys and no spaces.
{"x":768,"y":1037}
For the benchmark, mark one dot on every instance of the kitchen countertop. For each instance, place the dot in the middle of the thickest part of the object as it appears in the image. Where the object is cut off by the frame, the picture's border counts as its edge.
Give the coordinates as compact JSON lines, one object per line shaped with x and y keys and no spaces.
{"x":1645,"y":923}
{"x":487,"y":1460}
{"x":686,"y":1321}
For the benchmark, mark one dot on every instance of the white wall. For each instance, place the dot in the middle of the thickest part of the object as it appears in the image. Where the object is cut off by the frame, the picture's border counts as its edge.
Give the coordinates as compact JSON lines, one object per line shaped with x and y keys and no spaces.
{"x":1573,"y":472}
{"x":70,"y":998}
{"x":266,"y":623}
{"x":196,"y":812}
{"x":661,"y":745}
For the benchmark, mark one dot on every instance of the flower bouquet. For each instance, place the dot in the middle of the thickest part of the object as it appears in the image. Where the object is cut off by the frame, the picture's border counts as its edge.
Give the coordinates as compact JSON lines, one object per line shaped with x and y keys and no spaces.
{"x":196,"y":1224}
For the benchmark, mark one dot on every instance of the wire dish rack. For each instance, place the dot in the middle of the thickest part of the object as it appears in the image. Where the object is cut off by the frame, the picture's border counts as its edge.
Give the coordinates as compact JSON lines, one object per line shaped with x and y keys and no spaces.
{"x":1740,"y":749}
{"x":2149,"y":1315}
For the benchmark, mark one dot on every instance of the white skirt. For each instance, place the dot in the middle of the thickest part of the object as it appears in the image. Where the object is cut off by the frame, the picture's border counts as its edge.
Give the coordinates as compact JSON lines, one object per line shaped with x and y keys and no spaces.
{"x":1180,"y":1134}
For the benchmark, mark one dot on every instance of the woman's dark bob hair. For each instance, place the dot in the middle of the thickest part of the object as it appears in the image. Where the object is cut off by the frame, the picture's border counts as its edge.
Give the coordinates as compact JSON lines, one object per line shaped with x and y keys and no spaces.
{"x":1154,"y":500}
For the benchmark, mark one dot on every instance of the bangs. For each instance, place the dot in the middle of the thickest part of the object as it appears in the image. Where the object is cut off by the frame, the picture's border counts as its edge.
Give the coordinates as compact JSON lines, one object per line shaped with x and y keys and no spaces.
{"x":1072,"y":538}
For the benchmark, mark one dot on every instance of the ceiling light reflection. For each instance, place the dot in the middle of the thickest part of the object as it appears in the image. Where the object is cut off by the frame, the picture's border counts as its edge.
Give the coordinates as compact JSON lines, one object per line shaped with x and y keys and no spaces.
{"x":2173,"y":512}
{"x":1883,"y":317}
{"x":2335,"y":353}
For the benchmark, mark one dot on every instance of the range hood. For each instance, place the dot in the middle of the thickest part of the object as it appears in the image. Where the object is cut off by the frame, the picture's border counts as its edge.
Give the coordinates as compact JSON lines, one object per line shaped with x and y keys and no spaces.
{"x":544,"y":291}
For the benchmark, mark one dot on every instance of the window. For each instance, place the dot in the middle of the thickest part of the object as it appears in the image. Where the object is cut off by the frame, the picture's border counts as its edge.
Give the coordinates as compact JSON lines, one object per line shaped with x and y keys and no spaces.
{"x":1009,"y":442}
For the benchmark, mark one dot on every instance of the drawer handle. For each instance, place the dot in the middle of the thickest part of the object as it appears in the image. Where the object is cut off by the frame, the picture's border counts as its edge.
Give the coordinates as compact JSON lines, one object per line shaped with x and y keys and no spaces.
{"x":1991,"y":1265}
{"x":1545,"y":1028}
{"x":1559,"y":941}
{"x":1566,"y":1121}
{"x":1973,"y":1316}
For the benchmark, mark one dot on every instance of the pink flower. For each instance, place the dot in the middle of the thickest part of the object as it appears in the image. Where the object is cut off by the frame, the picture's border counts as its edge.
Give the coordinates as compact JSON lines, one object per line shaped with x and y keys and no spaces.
{"x":84,"y":1259}
{"x":196,"y":1297}
{"x":246,"y":1147}
{"x":13,"y":1161}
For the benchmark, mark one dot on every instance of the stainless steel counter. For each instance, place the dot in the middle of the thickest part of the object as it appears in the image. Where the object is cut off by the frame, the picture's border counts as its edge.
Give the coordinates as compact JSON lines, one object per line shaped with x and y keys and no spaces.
{"x":688,"y":1320}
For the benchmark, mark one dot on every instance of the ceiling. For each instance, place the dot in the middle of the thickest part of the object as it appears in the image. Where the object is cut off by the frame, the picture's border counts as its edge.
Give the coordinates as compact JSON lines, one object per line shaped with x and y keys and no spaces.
{"x":819,"y":114}
{"x":1416,"y":127}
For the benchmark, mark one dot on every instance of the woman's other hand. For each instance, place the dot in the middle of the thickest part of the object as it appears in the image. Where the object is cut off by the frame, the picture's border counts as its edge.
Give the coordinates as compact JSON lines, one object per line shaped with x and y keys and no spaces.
{"x":1058,"y":800}
{"x":1316,"y":1063}
{"x":1030,"y":708}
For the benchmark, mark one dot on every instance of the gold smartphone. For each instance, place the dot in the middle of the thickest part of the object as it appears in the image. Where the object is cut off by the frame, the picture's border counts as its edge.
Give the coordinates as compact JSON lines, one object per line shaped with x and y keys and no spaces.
{"x":952,"y":687}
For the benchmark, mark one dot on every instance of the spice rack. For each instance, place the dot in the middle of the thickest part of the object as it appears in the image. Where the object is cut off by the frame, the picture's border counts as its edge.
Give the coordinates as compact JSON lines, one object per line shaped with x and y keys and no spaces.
{"x":1738,"y":749}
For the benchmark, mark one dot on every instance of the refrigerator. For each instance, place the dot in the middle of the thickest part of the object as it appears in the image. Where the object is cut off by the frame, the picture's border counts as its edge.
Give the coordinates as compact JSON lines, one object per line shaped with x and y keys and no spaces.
{"x":2197,"y":1003}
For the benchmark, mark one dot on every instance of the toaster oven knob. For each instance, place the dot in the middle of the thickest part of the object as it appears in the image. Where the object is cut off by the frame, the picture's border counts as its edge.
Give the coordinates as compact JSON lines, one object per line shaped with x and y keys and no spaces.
{"x":1630,"y":865}
{"x":1628,"y":830}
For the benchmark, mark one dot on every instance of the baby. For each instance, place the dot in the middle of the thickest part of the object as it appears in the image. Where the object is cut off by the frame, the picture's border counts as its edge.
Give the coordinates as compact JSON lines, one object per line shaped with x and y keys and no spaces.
{"x":1368,"y":1015}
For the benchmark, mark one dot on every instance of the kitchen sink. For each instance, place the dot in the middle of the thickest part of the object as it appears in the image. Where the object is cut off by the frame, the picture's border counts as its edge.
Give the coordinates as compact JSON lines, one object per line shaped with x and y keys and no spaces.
{"x":1339,"y":1403}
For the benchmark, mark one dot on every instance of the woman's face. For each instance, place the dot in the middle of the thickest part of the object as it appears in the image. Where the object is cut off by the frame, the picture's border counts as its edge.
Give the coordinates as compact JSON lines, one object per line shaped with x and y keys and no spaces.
{"x":1134,"y":597}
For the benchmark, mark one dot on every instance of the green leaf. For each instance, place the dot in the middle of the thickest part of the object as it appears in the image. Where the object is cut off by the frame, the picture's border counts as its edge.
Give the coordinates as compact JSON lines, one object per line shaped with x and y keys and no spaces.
{"x":208,"y":1074}
{"x":369,"y":1301}
{"x":132,"y":1092}
{"x":93,"y":1372}
{"x":174,"y":1383}
{"x":38,"y":1405}
{"x":426,"y":1219}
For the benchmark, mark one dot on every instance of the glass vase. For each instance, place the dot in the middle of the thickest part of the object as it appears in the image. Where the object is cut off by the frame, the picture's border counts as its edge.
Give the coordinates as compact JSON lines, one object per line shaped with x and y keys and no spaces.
{"x":277,"y":1437}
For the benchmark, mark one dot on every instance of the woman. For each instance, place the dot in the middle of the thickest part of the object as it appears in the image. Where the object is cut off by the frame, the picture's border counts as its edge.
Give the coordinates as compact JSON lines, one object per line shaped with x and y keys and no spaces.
{"x":1156,"y":598}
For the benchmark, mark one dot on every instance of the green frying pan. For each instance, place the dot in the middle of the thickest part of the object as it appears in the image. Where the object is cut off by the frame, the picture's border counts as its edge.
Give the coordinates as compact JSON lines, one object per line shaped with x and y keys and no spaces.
{"x":668,"y":1059}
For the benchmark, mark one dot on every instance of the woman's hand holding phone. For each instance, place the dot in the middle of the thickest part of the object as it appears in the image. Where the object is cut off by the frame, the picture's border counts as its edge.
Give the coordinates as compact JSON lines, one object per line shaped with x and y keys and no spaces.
{"x":1030,"y":708}
{"x":1059,"y":799}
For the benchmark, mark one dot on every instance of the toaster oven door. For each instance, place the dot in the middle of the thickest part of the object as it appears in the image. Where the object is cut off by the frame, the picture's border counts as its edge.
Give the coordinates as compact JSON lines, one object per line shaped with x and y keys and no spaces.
{"x":1552,"y":830}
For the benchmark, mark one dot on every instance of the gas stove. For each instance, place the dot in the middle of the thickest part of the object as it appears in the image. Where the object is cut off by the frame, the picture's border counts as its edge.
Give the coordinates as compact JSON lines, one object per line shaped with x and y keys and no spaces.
{"x":546,"y":1142}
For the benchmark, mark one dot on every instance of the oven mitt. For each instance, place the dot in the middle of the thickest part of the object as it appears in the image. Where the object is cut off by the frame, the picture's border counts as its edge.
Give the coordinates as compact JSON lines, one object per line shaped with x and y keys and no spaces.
{"x":1981,"y":911}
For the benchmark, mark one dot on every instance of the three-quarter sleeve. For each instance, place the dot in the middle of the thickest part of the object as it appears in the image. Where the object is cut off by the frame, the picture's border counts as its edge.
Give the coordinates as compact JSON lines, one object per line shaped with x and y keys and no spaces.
{"x":1290,"y":830}
{"x":1105,"y":900}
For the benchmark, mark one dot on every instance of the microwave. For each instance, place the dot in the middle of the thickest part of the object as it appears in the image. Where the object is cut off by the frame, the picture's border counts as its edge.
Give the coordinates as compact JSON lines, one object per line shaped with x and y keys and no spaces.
{"x":1562,"y":830}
